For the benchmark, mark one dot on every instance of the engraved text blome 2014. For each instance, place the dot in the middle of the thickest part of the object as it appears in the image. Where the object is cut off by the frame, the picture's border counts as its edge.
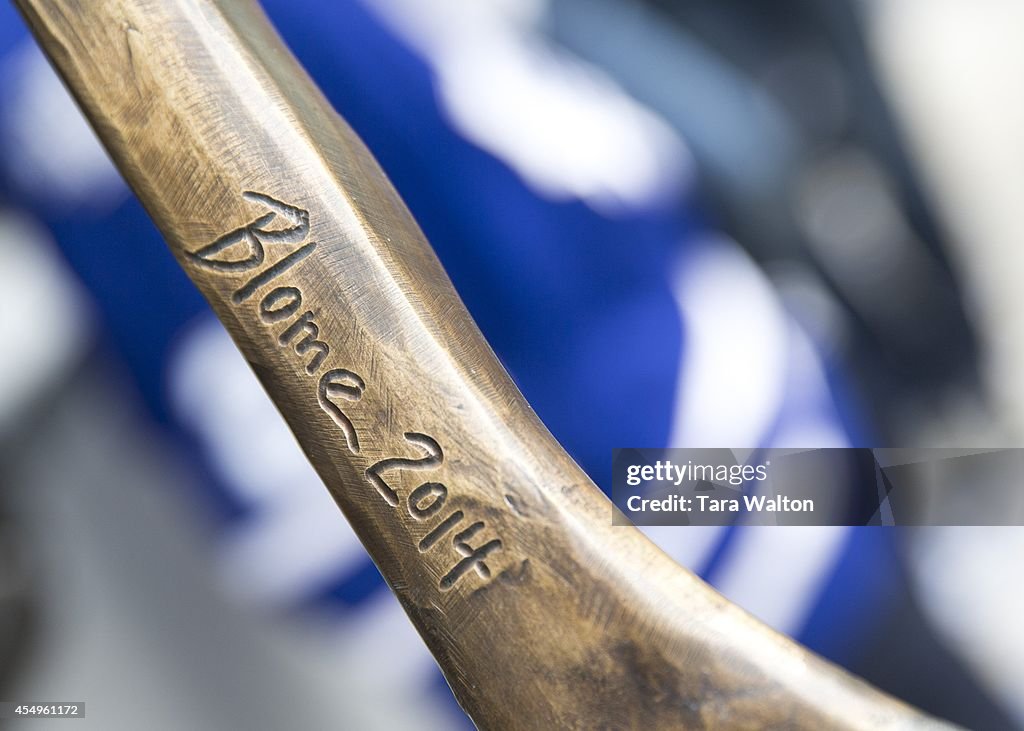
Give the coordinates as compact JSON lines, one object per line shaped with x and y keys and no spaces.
{"x":283,"y":307}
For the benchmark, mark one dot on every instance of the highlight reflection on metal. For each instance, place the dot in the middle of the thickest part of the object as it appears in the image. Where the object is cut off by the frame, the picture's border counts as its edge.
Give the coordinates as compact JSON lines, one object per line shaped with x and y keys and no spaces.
{"x":539,"y":611}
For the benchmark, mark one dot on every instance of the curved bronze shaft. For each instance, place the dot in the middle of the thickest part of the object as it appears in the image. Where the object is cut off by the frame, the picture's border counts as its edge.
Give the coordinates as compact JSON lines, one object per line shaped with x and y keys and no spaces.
{"x":540,"y":613}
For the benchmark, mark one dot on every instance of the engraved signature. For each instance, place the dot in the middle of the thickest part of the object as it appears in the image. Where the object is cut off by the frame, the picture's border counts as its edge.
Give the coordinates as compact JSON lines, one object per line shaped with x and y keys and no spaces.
{"x":338,"y":389}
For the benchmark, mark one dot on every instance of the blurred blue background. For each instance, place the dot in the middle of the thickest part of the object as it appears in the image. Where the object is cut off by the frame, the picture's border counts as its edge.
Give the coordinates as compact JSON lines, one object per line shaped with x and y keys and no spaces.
{"x":788,"y":224}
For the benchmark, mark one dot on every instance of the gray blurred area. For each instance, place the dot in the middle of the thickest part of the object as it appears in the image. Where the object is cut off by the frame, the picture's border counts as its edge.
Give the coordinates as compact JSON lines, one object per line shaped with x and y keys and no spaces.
{"x":129,"y":613}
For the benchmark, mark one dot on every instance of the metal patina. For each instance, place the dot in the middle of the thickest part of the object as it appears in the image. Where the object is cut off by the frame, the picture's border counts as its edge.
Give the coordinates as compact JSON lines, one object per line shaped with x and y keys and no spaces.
{"x":541,"y":614}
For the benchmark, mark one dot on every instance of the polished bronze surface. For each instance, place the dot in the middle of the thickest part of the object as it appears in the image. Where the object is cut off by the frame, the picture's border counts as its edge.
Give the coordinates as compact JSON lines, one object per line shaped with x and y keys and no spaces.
{"x":541,"y":614}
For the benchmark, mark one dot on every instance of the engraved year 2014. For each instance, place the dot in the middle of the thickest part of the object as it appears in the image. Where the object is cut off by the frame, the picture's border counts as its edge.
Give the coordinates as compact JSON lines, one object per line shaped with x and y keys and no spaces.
{"x":282,"y":307}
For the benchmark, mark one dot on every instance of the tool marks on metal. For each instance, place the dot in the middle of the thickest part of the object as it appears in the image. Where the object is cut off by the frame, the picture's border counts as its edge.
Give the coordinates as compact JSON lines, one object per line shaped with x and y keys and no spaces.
{"x":245,"y":249}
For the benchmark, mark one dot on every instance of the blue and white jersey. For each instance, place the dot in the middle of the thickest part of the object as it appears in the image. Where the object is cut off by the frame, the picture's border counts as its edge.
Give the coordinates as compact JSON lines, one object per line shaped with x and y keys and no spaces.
{"x":567,"y":217}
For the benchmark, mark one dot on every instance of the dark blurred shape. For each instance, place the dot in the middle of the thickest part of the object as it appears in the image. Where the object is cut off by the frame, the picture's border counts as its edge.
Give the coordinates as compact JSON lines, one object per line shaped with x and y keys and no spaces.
{"x":802,"y":162}
{"x":906,"y":655}
{"x":17,"y":610}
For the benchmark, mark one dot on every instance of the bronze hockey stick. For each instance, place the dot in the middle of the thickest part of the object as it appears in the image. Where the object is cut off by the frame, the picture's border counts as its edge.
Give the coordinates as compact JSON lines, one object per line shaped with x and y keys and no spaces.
{"x":540,"y":613}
